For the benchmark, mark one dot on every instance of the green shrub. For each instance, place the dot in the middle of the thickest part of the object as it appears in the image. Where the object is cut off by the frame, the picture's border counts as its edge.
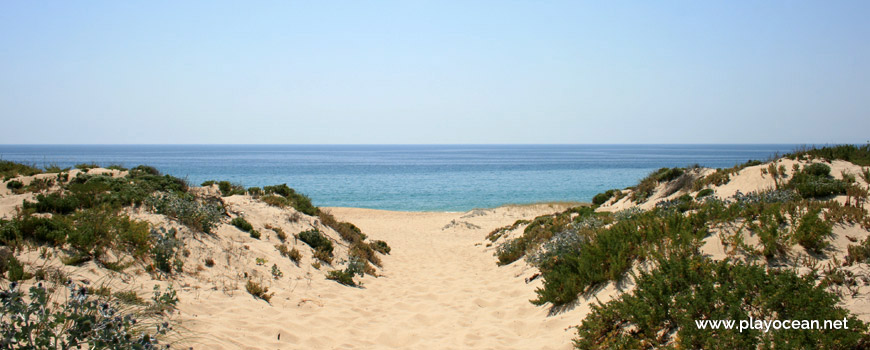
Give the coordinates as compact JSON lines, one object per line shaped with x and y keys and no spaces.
{"x":202,"y":216}
{"x":662,"y":310}
{"x":15,"y":270}
{"x":145,"y":170}
{"x":282,"y":190}
{"x":316,"y":240}
{"x":347,"y":231}
{"x":812,"y":232}
{"x":255,"y":191}
{"x":298,"y":201}
{"x":342,"y":277}
{"x":52,"y":231}
{"x":817,"y":169}
{"x":275,"y":201}
{"x":601,"y":198}
{"x":255,"y":234}
{"x":704,"y":193}
{"x":540,"y":230}
{"x":814,"y":181}
{"x":380,"y":246}
{"x":228,"y":189}
{"x":40,"y":184}
{"x":14,"y":185}
{"x":10,"y":169}
{"x":859,"y":155}
{"x":669,"y":174}
{"x":208,"y":183}
{"x":56,"y":203}
{"x":242,"y":224}
{"x":609,"y":252}
{"x":355,"y":266}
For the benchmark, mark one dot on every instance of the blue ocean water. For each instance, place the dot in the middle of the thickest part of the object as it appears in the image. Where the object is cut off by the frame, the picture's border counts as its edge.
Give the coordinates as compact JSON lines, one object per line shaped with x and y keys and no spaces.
{"x":408,"y":177}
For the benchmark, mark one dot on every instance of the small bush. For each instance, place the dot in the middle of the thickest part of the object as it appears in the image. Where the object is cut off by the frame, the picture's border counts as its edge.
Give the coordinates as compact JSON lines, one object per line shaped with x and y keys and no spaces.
{"x":202,"y":216}
{"x":603,"y":197}
{"x":282,"y":236}
{"x":354,"y":267}
{"x":242,"y":224}
{"x":228,"y":189}
{"x":40,"y":184}
{"x":298,"y":201}
{"x":275,"y":201}
{"x":380,"y":247}
{"x":276,"y":272}
{"x":255,"y":234}
{"x":145,"y":170}
{"x":704,"y":193}
{"x":817,"y":169}
{"x":208,"y":183}
{"x":316,"y":240}
{"x":323,"y":255}
{"x":812,"y":232}
{"x":164,"y":253}
{"x":347,"y":231}
{"x":16,"y":270}
{"x":14,"y":185}
{"x":258,"y":291}
{"x":293,"y":254}
{"x":55,"y":203}
{"x":342,"y":277}
{"x":209,"y":262}
{"x":814,"y":181}
{"x":255,"y":191}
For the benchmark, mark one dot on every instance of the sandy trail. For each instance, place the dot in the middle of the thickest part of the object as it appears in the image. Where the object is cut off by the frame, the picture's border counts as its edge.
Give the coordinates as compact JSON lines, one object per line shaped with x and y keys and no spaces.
{"x":441,"y":289}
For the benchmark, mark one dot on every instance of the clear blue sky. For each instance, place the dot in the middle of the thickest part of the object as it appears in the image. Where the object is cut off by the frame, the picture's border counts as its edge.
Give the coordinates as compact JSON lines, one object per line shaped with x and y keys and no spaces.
{"x":434,"y":72}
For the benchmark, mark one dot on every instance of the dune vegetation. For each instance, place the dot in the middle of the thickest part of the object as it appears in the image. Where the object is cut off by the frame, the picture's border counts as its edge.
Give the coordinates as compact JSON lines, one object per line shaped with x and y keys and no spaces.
{"x":779,"y":262}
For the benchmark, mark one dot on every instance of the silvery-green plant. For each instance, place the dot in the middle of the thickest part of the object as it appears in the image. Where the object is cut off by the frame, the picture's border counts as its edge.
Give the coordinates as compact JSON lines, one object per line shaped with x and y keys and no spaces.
{"x":33,"y":321}
{"x":198,"y":215}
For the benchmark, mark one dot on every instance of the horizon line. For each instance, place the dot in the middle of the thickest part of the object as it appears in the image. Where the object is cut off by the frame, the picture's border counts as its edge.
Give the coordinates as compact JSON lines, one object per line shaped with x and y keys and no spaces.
{"x":425,"y":144}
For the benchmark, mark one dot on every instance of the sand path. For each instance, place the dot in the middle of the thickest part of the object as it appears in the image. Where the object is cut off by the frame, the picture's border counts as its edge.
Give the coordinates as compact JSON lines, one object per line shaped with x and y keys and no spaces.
{"x":442,"y":290}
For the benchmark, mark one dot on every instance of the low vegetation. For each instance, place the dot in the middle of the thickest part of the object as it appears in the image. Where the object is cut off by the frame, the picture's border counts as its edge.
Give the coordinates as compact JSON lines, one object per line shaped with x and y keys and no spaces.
{"x":662,"y":310}
{"x":36,"y":320}
{"x":258,"y":291}
{"x":579,"y":252}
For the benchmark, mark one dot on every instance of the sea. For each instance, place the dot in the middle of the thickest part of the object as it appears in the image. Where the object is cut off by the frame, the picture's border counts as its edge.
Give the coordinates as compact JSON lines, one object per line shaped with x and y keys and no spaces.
{"x":409,"y":177}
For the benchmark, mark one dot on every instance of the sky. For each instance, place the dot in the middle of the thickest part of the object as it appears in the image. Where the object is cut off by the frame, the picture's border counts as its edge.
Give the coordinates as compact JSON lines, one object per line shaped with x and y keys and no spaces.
{"x":434,"y":72}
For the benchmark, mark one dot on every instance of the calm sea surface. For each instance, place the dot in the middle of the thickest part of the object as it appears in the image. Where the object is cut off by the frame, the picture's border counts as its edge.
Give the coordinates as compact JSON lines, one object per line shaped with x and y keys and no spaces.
{"x":409,"y":177}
